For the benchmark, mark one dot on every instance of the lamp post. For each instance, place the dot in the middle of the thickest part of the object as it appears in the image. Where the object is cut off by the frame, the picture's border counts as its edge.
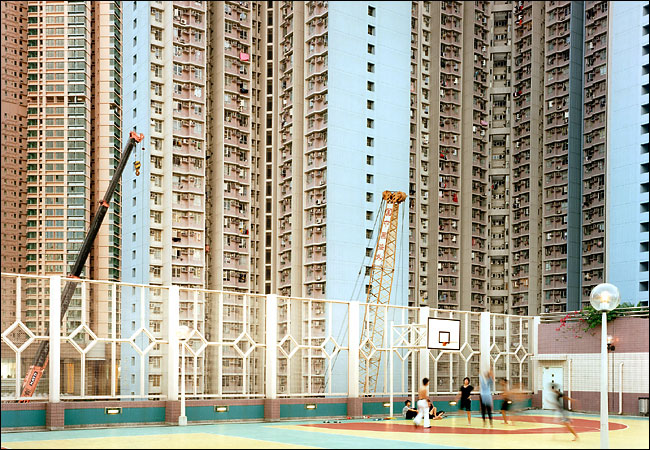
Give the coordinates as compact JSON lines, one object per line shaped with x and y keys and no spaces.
{"x":183,"y":333}
{"x":605,"y":297}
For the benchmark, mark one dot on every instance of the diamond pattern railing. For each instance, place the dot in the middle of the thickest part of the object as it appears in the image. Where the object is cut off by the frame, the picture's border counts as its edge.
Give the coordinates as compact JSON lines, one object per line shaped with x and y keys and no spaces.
{"x":115,"y":337}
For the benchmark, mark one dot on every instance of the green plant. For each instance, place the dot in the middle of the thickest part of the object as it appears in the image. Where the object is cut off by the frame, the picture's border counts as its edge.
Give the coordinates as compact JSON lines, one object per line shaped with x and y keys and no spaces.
{"x":593,"y":318}
{"x":588,"y":319}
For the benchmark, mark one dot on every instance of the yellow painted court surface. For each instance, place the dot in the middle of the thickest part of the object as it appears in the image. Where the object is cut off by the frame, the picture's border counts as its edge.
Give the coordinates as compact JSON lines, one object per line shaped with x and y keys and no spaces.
{"x":180,"y":441}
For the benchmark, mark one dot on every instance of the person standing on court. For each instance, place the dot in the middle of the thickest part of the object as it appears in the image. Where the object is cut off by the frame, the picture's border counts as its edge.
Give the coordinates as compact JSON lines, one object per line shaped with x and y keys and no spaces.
{"x":465,"y":401}
{"x":423,"y":405}
{"x":486,"y":382}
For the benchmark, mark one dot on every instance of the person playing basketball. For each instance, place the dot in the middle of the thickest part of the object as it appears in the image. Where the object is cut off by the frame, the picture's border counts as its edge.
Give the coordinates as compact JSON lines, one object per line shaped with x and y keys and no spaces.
{"x":423,"y":405}
{"x":465,"y":402}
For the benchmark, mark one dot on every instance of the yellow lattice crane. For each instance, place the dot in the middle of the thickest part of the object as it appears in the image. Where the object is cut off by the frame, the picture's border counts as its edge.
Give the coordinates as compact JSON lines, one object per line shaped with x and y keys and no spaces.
{"x":381,"y":281}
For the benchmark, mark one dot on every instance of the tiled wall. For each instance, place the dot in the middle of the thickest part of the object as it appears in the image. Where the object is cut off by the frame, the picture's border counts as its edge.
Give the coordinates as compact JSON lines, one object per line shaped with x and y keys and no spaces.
{"x":580,"y":358}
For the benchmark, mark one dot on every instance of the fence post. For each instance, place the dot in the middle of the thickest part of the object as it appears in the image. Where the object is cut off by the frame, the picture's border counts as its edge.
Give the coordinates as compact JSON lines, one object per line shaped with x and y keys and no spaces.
{"x":423,"y":319}
{"x":271,"y":341}
{"x":484,"y":341}
{"x":173,"y":304}
{"x":535,"y":362}
{"x":353,"y":349}
{"x":55,"y":339}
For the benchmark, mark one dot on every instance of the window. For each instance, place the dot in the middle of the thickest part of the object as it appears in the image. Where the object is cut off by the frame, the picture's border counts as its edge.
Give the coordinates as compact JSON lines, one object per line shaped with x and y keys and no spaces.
{"x":135,"y":41}
{"x":135,"y":23}
{"x":370,"y":142}
{"x":371,"y":67}
{"x":370,"y":160}
{"x":372,"y":11}
{"x":369,"y":179}
{"x":135,"y":59}
{"x":368,"y":215}
{"x":371,"y":30}
{"x":370,"y":123}
{"x":370,"y":104}
{"x":371,"y":86}
{"x":369,"y":198}
{"x":371,"y":49}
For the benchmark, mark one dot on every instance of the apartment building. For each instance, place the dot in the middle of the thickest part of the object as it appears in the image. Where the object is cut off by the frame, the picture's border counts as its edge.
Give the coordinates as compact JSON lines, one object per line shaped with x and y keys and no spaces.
{"x":13,"y":157}
{"x":164,"y":206}
{"x":449,"y":56}
{"x":626,"y":244}
{"x":235,"y":96}
{"x":72,"y":143}
{"x":545,"y":114}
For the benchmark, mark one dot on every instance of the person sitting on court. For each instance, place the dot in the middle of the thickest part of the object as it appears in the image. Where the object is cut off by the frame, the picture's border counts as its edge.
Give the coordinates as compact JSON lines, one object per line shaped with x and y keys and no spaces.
{"x":434,"y":414}
{"x":408,"y":412}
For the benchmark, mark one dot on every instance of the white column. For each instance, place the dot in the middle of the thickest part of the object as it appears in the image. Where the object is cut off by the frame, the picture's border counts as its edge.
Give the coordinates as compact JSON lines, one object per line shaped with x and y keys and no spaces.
{"x":604,"y":412}
{"x":182,"y":419}
{"x":55,"y":339}
{"x":484,"y":341}
{"x":390,"y":364}
{"x":534,"y":345}
{"x":271,"y":346}
{"x":423,"y":319}
{"x":172,"y":348}
{"x":353,"y":349}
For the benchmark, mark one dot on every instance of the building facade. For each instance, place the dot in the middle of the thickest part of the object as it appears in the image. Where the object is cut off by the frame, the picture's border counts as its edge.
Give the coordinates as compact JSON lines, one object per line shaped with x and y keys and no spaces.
{"x":164,"y":208}
{"x":13,"y":156}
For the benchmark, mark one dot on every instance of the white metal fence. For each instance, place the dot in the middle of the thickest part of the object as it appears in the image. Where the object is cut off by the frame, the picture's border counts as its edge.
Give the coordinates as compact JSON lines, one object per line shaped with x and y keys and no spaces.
{"x":120,"y":341}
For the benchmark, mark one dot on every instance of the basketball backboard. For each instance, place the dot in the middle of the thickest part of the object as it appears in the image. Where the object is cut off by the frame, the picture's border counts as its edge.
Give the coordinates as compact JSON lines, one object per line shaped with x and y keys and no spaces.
{"x":443,"y":334}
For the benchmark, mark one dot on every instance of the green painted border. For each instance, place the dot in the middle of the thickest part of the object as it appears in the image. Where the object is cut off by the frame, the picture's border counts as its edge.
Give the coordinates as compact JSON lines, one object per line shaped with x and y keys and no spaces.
{"x":235,"y":412}
{"x":95,"y":416}
{"x":377,"y":408}
{"x":23,"y":418}
{"x":322,"y":410}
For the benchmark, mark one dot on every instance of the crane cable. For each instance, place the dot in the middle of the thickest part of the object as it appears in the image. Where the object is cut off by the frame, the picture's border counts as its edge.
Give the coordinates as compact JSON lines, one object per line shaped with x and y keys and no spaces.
{"x":374,"y":228}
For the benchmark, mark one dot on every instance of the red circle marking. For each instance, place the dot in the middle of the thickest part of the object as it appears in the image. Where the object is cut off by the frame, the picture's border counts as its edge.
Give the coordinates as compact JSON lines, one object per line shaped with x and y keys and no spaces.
{"x":580,"y":426}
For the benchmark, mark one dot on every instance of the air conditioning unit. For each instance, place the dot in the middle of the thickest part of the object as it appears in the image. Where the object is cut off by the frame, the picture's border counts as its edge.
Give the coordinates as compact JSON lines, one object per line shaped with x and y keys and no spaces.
{"x":184,"y":269}
{"x":322,"y":182}
{"x":318,"y":220}
{"x":185,"y":140}
{"x":318,"y":202}
{"x":183,"y":22}
{"x":318,"y":278}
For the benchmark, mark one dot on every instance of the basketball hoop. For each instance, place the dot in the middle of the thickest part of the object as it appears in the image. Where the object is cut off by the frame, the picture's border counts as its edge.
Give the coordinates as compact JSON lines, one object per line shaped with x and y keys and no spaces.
{"x":444,"y":344}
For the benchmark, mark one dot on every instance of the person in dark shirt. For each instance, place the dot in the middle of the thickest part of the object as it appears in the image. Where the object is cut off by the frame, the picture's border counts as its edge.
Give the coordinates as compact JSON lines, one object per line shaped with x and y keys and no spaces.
{"x":465,"y":401}
{"x":559,"y":397}
{"x":507,"y":399}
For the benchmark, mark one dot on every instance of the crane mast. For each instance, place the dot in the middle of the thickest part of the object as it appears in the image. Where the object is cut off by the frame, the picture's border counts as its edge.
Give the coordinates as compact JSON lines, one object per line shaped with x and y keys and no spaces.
{"x":378,"y":296}
{"x":42,"y":354}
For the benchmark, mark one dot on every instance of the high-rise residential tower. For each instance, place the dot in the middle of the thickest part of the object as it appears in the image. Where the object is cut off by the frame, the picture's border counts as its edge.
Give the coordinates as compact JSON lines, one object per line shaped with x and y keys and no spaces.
{"x":14,"y":121}
{"x":164,"y":207}
{"x":73,"y":142}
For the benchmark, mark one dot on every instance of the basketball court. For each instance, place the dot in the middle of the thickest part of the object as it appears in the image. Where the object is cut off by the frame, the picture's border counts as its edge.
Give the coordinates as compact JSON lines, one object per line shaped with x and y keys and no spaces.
{"x":533,"y":429}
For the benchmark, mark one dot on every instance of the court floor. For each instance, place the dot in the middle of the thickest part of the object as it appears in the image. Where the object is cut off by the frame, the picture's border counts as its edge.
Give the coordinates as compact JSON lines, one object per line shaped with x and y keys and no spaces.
{"x":532,"y":429}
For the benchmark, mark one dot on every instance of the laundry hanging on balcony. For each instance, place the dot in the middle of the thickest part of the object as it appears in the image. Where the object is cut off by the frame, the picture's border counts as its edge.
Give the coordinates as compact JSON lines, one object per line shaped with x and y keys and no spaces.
{"x":244,"y":56}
